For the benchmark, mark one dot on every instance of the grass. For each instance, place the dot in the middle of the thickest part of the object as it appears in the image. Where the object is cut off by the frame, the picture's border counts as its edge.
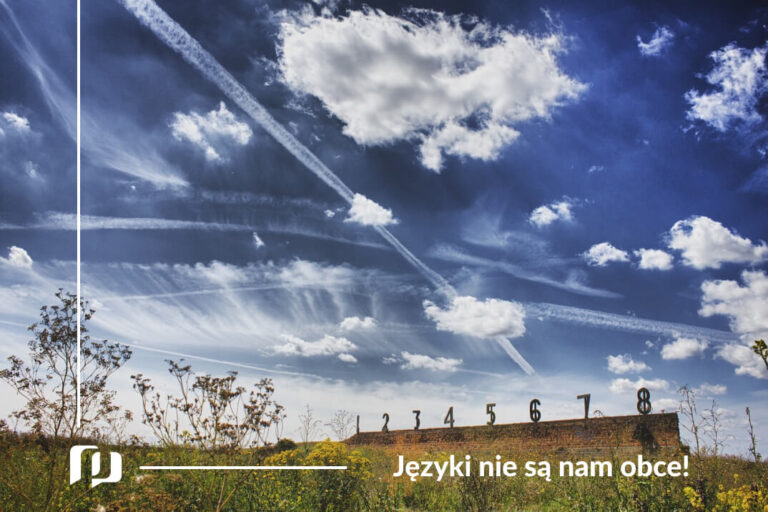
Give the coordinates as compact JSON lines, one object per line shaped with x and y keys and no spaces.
{"x":714,"y":483}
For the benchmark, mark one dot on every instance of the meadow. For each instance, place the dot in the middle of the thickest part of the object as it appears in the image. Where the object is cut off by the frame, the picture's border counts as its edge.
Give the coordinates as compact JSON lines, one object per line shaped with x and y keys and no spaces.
{"x":214,"y":421}
{"x":716,"y":483}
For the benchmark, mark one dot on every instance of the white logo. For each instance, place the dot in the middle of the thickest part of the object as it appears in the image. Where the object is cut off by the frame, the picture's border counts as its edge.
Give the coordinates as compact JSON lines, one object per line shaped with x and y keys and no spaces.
{"x":75,"y":468}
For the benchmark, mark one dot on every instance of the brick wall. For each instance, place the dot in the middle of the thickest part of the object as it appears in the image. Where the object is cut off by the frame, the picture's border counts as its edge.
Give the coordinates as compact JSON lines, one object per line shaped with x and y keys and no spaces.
{"x":625,"y":433}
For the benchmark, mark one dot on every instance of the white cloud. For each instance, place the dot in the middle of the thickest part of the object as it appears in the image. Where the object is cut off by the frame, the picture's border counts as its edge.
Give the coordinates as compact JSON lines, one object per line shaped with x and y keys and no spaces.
{"x":740,"y":78}
{"x":216,"y":272}
{"x":660,"y":41}
{"x":369,"y":213}
{"x":419,"y":361}
{"x":599,"y":255}
{"x":745,"y":306}
{"x":705,"y":243}
{"x":212,"y":131}
{"x":482,"y":319}
{"x":390,"y":359}
{"x":654,"y":259}
{"x":707,"y":389}
{"x":257,"y":241}
{"x":547,"y":214}
{"x":596,"y":168}
{"x":666,"y":404}
{"x":309,"y":273}
{"x":17,"y":257}
{"x":624,"y":385}
{"x":347,"y":358}
{"x":455,"y":85}
{"x":16,"y":122}
{"x":683,"y":348}
{"x":624,"y":363}
{"x":744,"y":359}
{"x":326,"y":346}
{"x":354,"y":323}
{"x":329,"y":213}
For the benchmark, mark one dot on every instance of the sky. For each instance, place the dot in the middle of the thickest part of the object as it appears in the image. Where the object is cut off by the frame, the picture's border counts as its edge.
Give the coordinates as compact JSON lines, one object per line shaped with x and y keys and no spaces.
{"x":393,"y":206}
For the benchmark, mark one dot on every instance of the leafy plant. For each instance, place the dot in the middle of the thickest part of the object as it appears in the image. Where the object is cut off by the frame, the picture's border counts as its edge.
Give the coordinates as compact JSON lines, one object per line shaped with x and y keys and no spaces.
{"x":213,"y":415}
{"x":48,"y":383}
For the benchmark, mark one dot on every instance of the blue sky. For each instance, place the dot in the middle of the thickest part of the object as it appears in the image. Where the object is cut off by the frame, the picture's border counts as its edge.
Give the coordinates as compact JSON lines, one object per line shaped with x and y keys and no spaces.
{"x":584,"y":183}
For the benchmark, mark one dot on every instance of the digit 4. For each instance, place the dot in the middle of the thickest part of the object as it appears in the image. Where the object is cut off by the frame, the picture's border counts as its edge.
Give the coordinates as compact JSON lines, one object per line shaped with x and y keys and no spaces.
{"x":449,"y":417}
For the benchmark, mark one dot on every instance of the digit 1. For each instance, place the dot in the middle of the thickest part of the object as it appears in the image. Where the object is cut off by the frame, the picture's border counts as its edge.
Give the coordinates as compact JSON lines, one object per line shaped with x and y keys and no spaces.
{"x":449,"y":417}
{"x":533,"y":409}
{"x":586,"y":404}
{"x":417,"y":412}
{"x":489,"y":410}
{"x":643,"y":401}
{"x":385,"y":416}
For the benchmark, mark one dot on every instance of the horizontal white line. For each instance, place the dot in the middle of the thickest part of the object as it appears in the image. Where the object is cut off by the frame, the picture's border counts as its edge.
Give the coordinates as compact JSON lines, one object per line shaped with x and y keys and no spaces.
{"x":247,"y":468}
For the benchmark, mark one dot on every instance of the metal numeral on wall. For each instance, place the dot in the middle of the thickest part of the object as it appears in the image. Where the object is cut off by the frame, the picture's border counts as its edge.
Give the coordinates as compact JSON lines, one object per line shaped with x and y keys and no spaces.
{"x":449,"y":417}
{"x":489,"y":411}
{"x":533,"y":409}
{"x":586,"y":404}
{"x":417,"y":413}
{"x":643,"y":401}
{"x":385,"y":429}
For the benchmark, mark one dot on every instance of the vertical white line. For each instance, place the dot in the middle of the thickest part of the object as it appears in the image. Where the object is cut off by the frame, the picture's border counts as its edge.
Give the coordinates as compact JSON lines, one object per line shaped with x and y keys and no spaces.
{"x":78,"y":417}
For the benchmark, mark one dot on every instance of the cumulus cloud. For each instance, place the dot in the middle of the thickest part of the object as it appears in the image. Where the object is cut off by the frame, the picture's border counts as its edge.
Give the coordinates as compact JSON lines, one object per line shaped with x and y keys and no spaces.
{"x":326,"y":346}
{"x":624,"y":385}
{"x":740,"y":79}
{"x":706,"y":243}
{"x":309,"y":273}
{"x":683,"y":348}
{"x":547,"y":214}
{"x":17,"y":257}
{"x":421,"y":361}
{"x":707,"y":389}
{"x":482,"y":319}
{"x":599,"y":255}
{"x":653,"y":259}
{"x":454,"y":85}
{"x":211,"y":132}
{"x":744,"y":359}
{"x":369,"y":213}
{"x":347,"y":358}
{"x":745,"y":306}
{"x":660,"y":40}
{"x":215,"y":272}
{"x":355,"y":323}
{"x":624,"y":363}
{"x":15,"y":122}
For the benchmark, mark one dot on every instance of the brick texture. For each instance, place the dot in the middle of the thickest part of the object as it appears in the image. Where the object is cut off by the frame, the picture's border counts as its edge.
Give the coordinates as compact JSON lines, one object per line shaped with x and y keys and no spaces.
{"x":622,"y":433}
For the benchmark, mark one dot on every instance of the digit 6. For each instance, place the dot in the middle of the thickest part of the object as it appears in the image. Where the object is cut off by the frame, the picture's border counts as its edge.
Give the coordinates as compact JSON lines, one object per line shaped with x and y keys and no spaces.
{"x":533,"y":408}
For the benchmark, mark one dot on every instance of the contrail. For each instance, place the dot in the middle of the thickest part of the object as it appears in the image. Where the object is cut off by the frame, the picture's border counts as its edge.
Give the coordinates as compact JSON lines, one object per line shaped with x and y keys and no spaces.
{"x":626,"y":323}
{"x":57,"y":95}
{"x":67,"y":221}
{"x":221,"y":361}
{"x":178,"y":39}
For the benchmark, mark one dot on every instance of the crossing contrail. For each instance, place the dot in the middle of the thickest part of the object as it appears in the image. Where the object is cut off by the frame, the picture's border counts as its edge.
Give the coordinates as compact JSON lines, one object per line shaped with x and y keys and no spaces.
{"x":178,"y":39}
